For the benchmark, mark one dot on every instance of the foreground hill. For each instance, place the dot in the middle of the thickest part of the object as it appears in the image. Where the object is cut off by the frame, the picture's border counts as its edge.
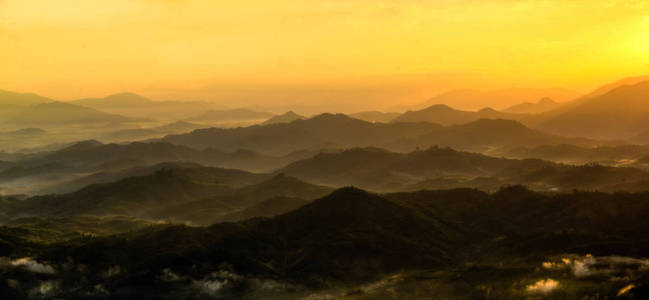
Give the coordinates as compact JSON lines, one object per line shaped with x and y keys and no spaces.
{"x":619,"y":113}
{"x":459,"y":244}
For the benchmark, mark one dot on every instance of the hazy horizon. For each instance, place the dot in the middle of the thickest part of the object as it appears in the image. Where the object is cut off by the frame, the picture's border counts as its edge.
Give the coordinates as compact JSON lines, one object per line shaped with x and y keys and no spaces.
{"x":348,"y":54}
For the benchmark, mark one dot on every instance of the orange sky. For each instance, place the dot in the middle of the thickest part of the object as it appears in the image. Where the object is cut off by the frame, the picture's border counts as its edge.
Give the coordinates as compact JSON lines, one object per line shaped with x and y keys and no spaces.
{"x":354,"y":51}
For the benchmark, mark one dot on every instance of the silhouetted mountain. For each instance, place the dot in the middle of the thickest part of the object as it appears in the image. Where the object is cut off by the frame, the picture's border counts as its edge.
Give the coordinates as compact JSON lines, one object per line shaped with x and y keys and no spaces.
{"x":339,"y":131}
{"x":287,"y":117}
{"x":619,"y":113}
{"x":240,"y":114}
{"x":445,"y":115}
{"x":488,"y":136}
{"x":323,"y":131}
{"x":611,"y":86}
{"x":439,"y":168}
{"x":197,"y":195}
{"x":380,"y":170}
{"x":79,"y":160}
{"x":138,"y":196}
{"x":245,"y":201}
{"x":59,"y":113}
{"x":375,"y":116}
{"x":543,"y":105}
{"x":471,"y":99}
{"x":137,"y":106}
{"x":113,"y":171}
{"x":40,"y":170}
{"x":12,"y":103}
{"x":90,"y":154}
{"x":178,"y":126}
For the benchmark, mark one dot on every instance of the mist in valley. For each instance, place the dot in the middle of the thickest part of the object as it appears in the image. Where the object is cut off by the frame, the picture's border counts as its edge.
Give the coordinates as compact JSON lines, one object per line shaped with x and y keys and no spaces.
{"x":324,"y":150}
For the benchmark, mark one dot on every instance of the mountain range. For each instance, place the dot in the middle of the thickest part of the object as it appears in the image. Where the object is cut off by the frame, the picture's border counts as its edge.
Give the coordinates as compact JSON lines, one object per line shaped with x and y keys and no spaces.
{"x":617,"y":114}
{"x":445,"y":115}
{"x":439,"y":168}
{"x":62,"y":114}
{"x":340,"y":131}
{"x":467,"y":99}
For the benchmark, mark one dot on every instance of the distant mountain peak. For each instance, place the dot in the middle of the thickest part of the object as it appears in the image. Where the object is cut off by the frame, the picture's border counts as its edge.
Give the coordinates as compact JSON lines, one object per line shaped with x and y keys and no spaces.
{"x":546,"y":101}
{"x":332,"y":117}
{"x":83,"y":145}
{"x":442,"y":107}
{"x":286,"y":117}
{"x":487,"y":110}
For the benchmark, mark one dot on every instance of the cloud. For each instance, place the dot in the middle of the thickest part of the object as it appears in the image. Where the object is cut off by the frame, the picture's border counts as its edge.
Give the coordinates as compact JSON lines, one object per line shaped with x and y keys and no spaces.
{"x":45,"y":289}
{"x":585,"y":266}
{"x":625,"y":289}
{"x":543,"y":286}
{"x":33,"y":266}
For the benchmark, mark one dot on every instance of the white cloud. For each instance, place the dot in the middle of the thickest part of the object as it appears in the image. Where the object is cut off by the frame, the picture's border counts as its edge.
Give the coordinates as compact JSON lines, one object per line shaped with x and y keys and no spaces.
{"x":33,"y":266}
{"x":543,"y":286}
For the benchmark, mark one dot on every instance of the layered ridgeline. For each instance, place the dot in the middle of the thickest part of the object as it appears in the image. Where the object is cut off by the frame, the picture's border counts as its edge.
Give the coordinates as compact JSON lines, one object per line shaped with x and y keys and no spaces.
{"x":12,"y":103}
{"x":473,"y":100}
{"x":356,"y":245}
{"x":195,"y":195}
{"x":376,"y":169}
{"x":61,"y":114}
{"x":287,"y":117}
{"x":616,"y":112}
{"x":341,"y":131}
{"x":541,"y":106}
{"x":67,"y":169}
{"x":439,"y":168}
{"x":137,"y":106}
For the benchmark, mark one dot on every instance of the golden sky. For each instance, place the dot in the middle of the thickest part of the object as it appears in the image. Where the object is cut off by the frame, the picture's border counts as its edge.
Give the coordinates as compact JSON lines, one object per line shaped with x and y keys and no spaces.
{"x":373,"y":51}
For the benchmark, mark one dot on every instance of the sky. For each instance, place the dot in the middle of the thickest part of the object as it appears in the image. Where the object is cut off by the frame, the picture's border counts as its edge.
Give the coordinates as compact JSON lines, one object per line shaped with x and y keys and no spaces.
{"x":359,"y":53}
